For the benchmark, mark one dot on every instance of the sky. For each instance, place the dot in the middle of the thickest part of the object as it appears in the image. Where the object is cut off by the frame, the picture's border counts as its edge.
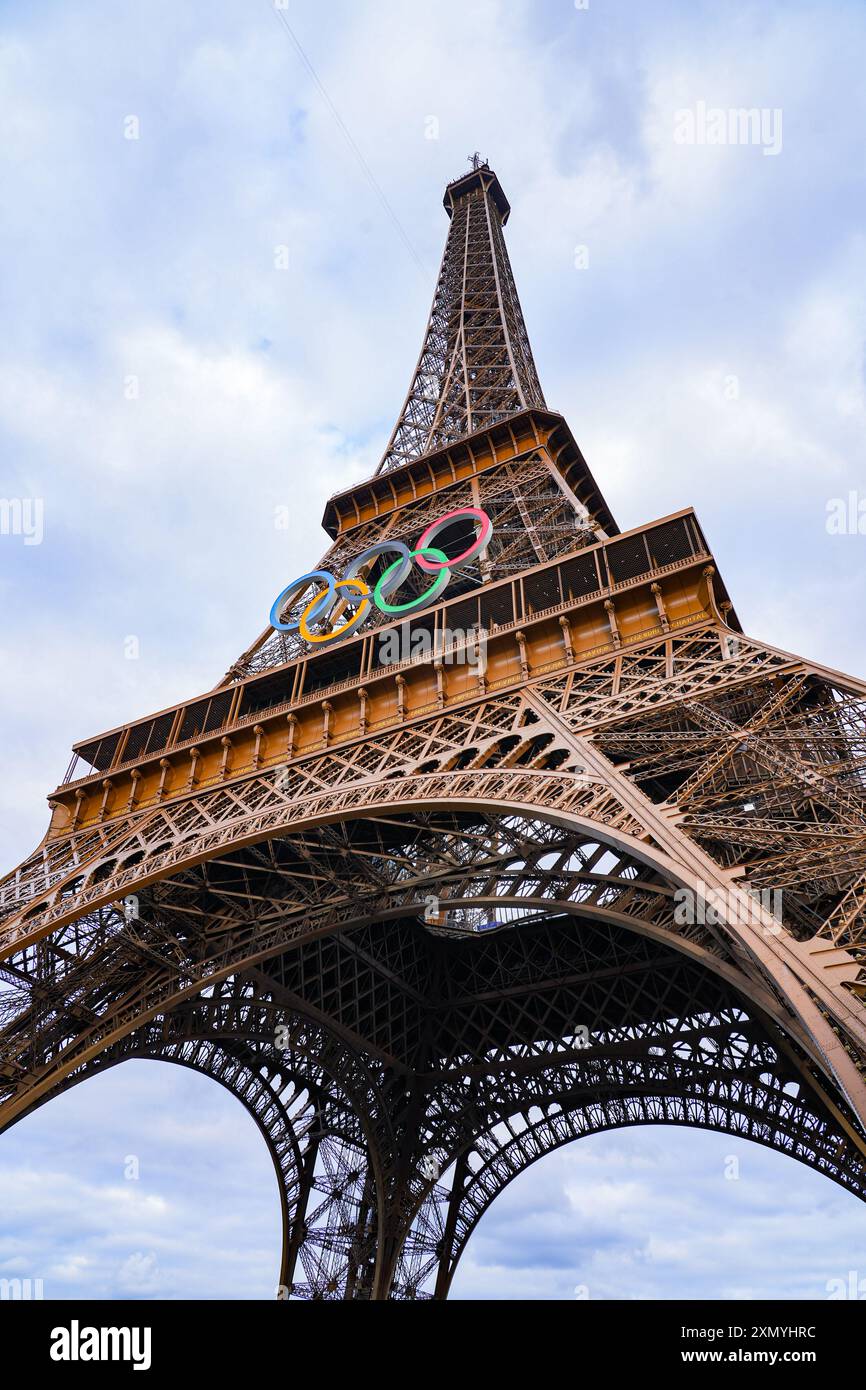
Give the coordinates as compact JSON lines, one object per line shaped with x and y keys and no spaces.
{"x":217,"y":270}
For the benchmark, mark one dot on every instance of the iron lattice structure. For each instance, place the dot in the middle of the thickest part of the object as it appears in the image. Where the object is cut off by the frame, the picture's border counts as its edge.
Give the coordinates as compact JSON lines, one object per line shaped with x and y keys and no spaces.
{"x":476,"y":366}
{"x":423,"y":918}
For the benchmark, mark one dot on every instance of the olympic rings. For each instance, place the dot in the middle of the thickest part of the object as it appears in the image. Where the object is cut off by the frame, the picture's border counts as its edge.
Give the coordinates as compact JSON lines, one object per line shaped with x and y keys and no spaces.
{"x":354,"y":622}
{"x":426,"y":598}
{"x":359,"y":600}
{"x":399,"y":571}
{"x":296,"y":588}
{"x":480,"y":544}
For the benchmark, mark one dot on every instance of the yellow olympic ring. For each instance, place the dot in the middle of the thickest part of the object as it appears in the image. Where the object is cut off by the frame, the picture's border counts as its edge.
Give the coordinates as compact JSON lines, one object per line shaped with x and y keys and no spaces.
{"x":363,"y":591}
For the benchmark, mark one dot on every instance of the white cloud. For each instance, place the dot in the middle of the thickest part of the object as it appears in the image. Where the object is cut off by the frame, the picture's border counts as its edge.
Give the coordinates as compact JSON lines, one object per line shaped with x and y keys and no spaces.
{"x":71,"y":1270}
{"x":155,"y":258}
{"x":139,"y":1274}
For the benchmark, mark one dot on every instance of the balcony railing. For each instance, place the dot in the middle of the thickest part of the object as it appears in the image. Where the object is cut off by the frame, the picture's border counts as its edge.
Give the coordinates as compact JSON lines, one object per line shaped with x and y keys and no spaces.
{"x":577,"y":580}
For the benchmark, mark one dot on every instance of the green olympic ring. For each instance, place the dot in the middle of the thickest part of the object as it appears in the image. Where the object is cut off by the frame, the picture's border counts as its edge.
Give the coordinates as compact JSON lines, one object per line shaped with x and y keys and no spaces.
{"x":429,"y":559}
{"x":429,"y":552}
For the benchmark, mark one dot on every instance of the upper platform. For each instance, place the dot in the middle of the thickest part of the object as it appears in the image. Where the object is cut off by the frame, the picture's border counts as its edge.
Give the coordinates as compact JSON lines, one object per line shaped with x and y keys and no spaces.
{"x":478,"y":179}
{"x":516,"y":436}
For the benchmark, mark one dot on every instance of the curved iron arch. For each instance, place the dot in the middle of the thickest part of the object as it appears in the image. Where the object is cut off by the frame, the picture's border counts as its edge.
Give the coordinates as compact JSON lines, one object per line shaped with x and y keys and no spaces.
{"x":332,"y":1121}
{"x":516,"y":1157}
{"x":358,"y":912}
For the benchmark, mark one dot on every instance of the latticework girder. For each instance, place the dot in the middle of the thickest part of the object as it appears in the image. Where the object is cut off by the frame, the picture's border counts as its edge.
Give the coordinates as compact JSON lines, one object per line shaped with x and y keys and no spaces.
{"x":427,"y":922}
{"x":476,"y":365}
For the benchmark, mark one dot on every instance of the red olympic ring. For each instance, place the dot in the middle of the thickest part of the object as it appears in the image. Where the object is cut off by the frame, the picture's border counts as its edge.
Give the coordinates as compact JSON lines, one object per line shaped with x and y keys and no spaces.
{"x":480,"y":544}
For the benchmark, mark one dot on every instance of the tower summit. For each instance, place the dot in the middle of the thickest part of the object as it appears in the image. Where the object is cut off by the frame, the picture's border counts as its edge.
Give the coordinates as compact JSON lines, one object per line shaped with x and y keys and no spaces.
{"x":476,"y":366}
{"x":501,"y":833}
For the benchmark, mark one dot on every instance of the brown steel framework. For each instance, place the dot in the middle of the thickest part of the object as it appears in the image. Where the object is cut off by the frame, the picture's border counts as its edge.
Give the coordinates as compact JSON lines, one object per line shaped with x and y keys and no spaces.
{"x":423,"y":917}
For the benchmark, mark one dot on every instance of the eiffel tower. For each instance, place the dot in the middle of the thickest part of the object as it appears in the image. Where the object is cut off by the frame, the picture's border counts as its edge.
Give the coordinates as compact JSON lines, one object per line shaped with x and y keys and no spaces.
{"x":584,"y":855}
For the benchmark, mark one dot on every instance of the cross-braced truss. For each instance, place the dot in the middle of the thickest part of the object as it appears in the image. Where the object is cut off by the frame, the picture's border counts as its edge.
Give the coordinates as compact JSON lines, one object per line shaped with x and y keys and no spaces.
{"x":433,"y":926}
{"x":534,"y":521}
{"x":476,"y":365}
{"x":452,"y":1059}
